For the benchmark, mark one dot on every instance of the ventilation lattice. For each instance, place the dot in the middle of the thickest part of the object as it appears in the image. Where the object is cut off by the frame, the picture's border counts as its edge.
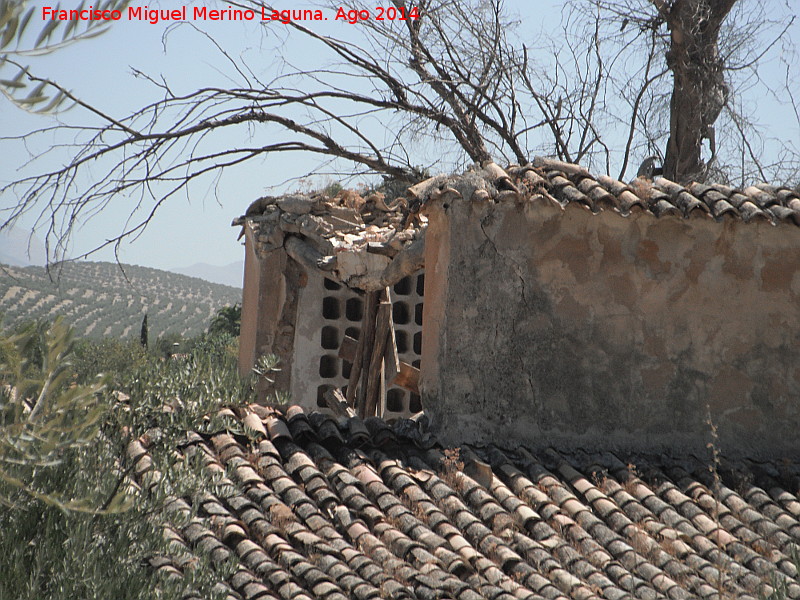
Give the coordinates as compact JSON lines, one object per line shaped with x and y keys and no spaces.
{"x":328,"y":311}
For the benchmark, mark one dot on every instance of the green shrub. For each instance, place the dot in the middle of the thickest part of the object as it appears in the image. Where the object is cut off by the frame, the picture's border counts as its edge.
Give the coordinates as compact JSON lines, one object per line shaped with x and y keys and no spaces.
{"x":228,"y":320}
{"x":111,"y":357}
{"x":74,"y":524}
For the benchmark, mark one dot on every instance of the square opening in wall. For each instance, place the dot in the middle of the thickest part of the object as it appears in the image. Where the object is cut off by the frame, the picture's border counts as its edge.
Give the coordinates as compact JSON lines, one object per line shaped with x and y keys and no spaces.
{"x":401,"y":337}
{"x":330,"y":308}
{"x":400,"y":313}
{"x":331,"y":311}
{"x":403,"y":287}
{"x":329,"y":338}
{"x":394,"y":400}
{"x":321,"y":391}
{"x":354,"y":309}
{"x":328,"y":366}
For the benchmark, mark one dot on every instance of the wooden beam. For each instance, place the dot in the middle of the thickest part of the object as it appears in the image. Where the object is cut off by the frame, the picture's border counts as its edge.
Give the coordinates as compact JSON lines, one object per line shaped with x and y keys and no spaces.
{"x":365,"y":341}
{"x":355,"y":370}
{"x":391,"y":360}
{"x":336,"y":401}
{"x":373,"y":381}
{"x":407,"y":378}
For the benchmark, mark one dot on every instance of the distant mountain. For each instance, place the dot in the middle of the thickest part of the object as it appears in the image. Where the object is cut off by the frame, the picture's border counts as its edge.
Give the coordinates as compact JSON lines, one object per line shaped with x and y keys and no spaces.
{"x":230,"y":274}
{"x":20,"y":249}
{"x":99,"y":299}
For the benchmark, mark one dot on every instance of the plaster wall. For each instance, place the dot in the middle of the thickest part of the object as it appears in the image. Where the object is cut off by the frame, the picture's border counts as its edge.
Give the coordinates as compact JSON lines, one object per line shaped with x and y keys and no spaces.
{"x":551,"y":326}
{"x":250,"y":299}
{"x":272,"y":283}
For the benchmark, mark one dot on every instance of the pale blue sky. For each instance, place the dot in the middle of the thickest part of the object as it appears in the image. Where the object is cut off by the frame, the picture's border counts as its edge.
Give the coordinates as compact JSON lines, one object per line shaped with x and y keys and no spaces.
{"x":195,"y":229}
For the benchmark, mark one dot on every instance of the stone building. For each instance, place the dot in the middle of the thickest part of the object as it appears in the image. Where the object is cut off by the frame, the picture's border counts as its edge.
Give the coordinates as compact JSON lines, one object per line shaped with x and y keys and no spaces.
{"x":559,"y":307}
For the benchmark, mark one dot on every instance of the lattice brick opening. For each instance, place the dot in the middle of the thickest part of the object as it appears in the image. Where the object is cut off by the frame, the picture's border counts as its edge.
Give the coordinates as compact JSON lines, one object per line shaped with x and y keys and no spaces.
{"x":327,"y":312}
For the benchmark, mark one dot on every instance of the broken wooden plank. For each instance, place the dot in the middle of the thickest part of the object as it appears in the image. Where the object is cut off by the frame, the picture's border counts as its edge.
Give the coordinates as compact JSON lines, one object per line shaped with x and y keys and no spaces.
{"x":407,"y":378}
{"x":348,"y":350}
{"x":335,"y":400}
{"x":391,"y":359}
{"x":365,"y":341}
{"x":374,"y":373}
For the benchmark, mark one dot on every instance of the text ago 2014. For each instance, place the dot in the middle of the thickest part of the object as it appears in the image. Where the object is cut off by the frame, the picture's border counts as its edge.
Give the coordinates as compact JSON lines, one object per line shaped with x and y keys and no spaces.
{"x":202,"y":13}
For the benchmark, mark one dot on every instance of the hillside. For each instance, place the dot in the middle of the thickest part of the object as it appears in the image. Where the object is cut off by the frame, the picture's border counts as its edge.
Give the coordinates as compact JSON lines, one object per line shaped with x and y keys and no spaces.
{"x":99,"y":300}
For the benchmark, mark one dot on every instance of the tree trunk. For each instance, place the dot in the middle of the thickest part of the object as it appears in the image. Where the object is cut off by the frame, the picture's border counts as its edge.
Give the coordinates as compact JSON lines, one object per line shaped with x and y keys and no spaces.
{"x":699,"y":91}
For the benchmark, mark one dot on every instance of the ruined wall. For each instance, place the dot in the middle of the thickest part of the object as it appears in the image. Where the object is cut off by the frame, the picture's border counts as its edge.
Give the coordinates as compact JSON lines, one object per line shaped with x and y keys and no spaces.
{"x":303,"y":317}
{"x":250,"y":298}
{"x":565,"y":327}
{"x":269,"y":311}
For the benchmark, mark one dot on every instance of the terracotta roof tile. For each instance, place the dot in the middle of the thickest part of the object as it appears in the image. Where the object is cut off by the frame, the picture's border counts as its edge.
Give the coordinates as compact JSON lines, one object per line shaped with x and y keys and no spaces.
{"x":337,"y":510}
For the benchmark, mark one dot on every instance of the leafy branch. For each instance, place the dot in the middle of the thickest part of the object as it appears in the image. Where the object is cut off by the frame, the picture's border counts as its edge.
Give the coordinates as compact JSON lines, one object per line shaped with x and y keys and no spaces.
{"x":17,"y":40}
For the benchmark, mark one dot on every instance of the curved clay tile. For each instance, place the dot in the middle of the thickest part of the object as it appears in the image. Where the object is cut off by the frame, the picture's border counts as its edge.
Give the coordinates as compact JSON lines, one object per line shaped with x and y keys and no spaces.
{"x":759,"y":197}
{"x":723,"y":208}
{"x":750,"y":212}
{"x":277,"y":429}
{"x":712,"y":196}
{"x":785,"y":214}
{"x":662,"y":207}
{"x":601,"y":199}
{"x":789,"y":198}
{"x":319,"y":518}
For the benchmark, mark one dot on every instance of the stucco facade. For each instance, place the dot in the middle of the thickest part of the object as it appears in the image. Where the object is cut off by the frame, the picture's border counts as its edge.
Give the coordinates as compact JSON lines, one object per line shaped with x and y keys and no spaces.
{"x":559,"y":325}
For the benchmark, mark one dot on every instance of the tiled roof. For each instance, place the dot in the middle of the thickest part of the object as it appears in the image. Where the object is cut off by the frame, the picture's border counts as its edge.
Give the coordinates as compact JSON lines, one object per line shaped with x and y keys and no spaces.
{"x":314,"y":508}
{"x":568,"y":183}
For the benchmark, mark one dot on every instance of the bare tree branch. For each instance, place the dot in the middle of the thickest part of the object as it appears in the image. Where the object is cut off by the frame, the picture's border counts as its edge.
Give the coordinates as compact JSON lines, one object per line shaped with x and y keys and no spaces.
{"x":459,"y":79}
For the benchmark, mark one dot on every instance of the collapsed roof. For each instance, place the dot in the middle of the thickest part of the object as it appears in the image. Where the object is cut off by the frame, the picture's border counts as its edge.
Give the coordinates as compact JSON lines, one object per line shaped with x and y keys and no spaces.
{"x":362,"y":242}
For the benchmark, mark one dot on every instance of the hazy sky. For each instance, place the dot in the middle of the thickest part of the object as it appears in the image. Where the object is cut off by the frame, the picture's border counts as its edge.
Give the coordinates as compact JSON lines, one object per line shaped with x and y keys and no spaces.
{"x":197,"y":228}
